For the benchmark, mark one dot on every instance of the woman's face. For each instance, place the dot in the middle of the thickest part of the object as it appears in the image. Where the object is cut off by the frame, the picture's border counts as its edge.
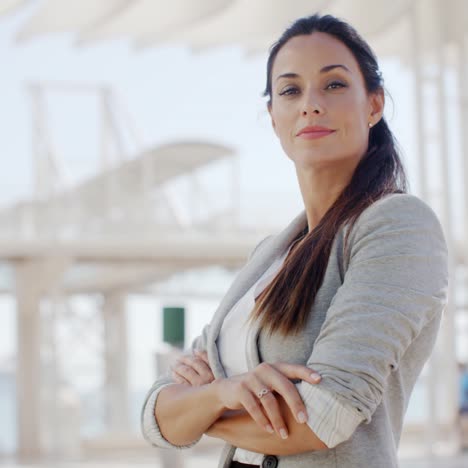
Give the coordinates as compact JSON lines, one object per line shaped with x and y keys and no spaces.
{"x":317,"y":82}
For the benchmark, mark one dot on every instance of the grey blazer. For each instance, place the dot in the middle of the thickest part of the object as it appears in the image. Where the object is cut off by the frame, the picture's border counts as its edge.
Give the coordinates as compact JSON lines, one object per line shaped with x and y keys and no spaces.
{"x":372,"y":327}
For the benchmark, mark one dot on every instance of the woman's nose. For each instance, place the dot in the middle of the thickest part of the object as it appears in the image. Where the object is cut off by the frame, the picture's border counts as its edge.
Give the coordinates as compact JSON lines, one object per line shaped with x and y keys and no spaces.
{"x":312,"y":105}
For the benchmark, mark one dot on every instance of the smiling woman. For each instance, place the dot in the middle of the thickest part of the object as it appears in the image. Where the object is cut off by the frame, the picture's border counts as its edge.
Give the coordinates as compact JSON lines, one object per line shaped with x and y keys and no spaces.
{"x":323,"y":96}
{"x":352,"y":289}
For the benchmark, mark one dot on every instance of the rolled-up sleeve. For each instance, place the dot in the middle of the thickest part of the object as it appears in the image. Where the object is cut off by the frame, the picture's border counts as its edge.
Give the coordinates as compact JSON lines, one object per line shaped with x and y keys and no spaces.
{"x":332,"y":422}
{"x":150,"y":427}
{"x":396,"y":283}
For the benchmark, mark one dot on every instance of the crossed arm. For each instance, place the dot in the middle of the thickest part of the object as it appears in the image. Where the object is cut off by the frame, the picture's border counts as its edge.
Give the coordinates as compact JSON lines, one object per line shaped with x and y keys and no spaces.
{"x":186,"y":411}
{"x":239,"y":429}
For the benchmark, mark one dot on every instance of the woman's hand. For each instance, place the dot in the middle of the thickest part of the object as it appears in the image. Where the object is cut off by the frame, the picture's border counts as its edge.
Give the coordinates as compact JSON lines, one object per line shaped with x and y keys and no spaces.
{"x":193,"y":370}
{"x":241,"y":392}
{"x":253,"y":391}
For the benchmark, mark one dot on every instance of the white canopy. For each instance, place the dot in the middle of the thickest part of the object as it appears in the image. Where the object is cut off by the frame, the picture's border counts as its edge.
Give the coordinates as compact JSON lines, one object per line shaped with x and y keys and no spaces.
{"x":208,"y":23}
{"x":255,"y":25}
{"x":388,"y":26}
{"x":149,"y":20}
{"x":7,"y":6}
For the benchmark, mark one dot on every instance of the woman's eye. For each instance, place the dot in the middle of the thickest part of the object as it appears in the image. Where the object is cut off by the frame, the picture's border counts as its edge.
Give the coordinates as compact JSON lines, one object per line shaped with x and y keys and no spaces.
{"x":288,"y":91}
{"x":336,"y":85}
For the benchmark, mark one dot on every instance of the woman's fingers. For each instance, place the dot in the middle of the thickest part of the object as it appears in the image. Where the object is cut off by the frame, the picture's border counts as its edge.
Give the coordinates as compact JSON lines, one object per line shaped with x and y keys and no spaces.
{"x":277,"y":377}
{"x":198,"y":365}
{"x":202,"y":355}
{"x":270,"y":405}
{"x":193,"y":369}
{"x":273,"y":413}
{"x":179,"y":379}
{"x":189,"y":374}
{"x":244,"y":391}
{"x":253,"y":406}
{"x":297,"y":371}
{"x":286,"y":389}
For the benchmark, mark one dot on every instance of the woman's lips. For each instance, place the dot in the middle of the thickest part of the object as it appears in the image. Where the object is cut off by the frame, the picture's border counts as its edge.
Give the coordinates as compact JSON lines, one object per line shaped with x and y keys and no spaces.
{"x":315,"y":134}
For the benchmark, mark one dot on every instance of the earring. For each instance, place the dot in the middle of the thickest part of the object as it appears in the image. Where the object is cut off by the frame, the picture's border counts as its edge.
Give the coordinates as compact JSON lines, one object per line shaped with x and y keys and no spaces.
{"x":370,"y":124}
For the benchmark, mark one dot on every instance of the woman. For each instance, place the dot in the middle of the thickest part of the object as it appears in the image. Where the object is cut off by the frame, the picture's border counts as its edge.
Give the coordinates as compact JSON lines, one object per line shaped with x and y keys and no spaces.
{"x":352,"y":289}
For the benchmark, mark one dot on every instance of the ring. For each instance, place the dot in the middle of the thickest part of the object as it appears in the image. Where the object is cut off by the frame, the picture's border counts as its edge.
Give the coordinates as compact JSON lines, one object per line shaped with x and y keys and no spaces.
{"x":262,"y":392}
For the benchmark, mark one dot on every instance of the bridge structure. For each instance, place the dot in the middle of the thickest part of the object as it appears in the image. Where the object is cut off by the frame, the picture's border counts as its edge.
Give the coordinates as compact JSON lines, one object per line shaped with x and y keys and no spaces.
{"x":138,"y":221}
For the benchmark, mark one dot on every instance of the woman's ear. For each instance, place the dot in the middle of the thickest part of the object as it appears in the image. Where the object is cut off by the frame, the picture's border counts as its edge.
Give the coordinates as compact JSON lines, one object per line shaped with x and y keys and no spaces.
{"x":377,"y":103}
{"x":272,"y":119}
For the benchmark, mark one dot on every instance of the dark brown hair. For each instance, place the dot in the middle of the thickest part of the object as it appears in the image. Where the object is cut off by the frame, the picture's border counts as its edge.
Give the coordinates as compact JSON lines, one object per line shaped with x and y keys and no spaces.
{"x":285,"y":304}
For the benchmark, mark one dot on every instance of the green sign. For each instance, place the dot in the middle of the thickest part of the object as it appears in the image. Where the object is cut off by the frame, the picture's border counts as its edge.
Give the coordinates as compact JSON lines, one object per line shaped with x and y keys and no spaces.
{"x":174,"y":326}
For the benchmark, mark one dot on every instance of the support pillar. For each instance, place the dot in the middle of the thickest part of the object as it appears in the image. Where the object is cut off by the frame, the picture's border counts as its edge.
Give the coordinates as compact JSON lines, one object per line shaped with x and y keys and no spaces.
{"x":442,"y":379}
{"x":116,"y":367}
{"x":449,"y":393}
{"x":33,"y":278}
{"x":463,"y":103}
{"x":28,"y":363}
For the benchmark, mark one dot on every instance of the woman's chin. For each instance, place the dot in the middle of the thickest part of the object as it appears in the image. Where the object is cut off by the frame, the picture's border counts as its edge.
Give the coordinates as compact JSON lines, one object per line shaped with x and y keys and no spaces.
{"x":314,"y":160}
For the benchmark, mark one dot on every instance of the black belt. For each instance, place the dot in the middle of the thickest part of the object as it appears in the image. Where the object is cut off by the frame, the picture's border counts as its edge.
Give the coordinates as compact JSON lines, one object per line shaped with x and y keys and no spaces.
{"x":236,"y":464}
{"x":270,"y":461}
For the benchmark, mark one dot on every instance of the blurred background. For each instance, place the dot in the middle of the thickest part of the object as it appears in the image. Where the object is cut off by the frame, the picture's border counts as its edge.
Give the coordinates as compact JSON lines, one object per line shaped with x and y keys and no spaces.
{"x":139,"y":169}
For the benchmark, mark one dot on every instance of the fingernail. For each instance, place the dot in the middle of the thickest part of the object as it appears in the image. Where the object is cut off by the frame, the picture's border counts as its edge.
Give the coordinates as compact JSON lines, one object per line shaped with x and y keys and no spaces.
{"x":315,"y":377}
{"x":301,"y":416}
{"x":270,"y":429}
{"x":283,"y":434}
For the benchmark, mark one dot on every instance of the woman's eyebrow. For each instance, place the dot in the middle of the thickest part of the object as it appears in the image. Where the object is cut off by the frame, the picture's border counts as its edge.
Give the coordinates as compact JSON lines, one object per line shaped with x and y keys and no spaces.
{"x":287,"y":75}
{"x":325,"y":69}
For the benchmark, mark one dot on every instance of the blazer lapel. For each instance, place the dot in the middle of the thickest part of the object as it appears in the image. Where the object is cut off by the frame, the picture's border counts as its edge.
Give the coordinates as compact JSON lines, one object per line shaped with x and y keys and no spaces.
{"x":248,"y":275}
